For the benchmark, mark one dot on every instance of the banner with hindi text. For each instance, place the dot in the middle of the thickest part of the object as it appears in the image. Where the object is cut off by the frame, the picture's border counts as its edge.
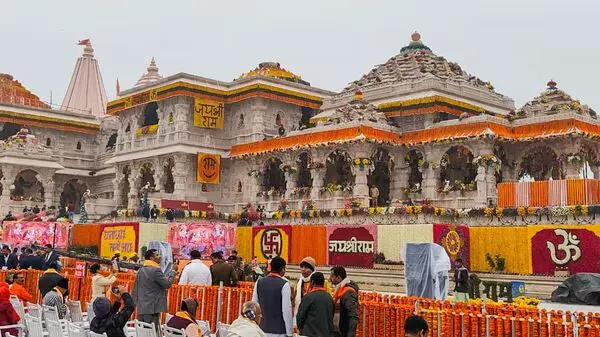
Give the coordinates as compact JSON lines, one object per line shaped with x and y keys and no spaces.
{"x":208,"y":168}
{"x":208,"y":114}
{"x":271,"y":241}
{"x":351,"y":245}
{"x":205,"y":237}
{"x":119,"y":237}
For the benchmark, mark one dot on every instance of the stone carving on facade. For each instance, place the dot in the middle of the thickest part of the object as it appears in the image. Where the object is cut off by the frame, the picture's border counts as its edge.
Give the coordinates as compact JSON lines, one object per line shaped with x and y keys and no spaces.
{"x":553,"y":101}
{"x":357,"y":110}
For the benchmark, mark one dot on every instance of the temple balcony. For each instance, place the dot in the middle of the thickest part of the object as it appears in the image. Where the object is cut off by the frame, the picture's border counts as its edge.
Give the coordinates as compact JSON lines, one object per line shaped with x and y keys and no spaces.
{"x":548,"y":193}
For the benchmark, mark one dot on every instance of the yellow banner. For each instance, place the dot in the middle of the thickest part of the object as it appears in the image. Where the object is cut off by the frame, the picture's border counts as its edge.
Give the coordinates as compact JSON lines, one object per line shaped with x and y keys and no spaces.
{"x":209,"y":168}
{"x":208,"y":114}
{"x":120,"y":239}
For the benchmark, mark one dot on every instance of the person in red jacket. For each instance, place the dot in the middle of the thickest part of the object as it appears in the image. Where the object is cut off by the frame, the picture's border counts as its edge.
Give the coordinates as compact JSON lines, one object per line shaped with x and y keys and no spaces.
{"x":8,"y":315}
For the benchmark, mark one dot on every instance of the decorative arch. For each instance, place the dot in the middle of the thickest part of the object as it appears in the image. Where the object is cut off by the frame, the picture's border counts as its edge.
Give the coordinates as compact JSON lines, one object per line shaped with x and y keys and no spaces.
{"x":128,"y":128}
{"x":8,"y":130}
{"x":589,"y":162}
{"x":78,"y":147}
{"x":457,"y":169}
{"x":147,"y":175}
{"x":338,"y":171}
{"x":125,"y":187}
{"x":150,"y":115}
{"x":71,"y":194}
{"x":48,"y":142}
{"x":540,"y":163}
{"x":240,"y":124}
{"x":169,"y":186}
{"x":416,"y":162}
{"x":379,"y":178}
{"x":27,"y":186}
{"x":273,"y":177}
{"x":303,"y":177}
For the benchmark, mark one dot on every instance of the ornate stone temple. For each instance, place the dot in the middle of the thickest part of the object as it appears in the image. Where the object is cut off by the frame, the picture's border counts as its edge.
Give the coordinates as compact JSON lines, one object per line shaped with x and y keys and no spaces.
{"x":417,"y":128}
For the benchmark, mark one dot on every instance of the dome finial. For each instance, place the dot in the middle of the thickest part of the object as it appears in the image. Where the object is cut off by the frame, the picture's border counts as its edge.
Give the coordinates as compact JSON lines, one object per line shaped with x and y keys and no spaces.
{"x":358,"y":95}
{"x":551,"y":84}
{"x":416,"y":37}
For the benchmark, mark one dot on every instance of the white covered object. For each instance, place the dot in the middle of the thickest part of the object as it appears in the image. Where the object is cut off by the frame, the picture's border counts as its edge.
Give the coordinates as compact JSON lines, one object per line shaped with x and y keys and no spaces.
{"x":426,"y":268}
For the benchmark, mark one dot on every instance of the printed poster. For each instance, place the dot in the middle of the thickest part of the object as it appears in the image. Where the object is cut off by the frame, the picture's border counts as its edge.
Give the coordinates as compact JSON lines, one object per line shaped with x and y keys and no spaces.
{"x":119,"y":237}
{"x":352,"y":245}
{"x":18,"y":234}
{"x":206,"y":237}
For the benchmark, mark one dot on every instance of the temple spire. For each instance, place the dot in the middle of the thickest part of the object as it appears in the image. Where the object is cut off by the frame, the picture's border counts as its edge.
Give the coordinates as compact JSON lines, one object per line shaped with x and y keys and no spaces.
{"x":86,"y":92}
{"x":151,"y":74}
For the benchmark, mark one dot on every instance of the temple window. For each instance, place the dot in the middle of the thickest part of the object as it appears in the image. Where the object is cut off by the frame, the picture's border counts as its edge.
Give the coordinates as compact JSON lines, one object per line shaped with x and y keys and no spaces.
{"x":239,"y":187}
{"x":71,"y":194}
{"x":307,"y":113}
{"x":150,"y":116}
{"x":241,"y":121}
{"x":78,"y":146}
{"x":278,"y":120}
{"x":541,"y":163}
{"x":48,"y":142}
{"x":147,"y":175}
{"x":169,"y":181}
{"x":338,"y":172}
{"x":112,"y":142}
{"x":27,"y":186}
{"x":457,"y":171}
{"x":128,"y":128}
{"x":379,"y":178}
{"x":9,"y":129}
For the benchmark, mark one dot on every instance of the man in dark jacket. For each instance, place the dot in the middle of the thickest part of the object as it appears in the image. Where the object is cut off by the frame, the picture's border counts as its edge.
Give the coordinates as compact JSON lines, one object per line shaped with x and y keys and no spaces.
{"x":8,"y":260}
{"x":222,"y":271}
{"x":111,"y":320}
{"x":315,"y":315}
{"x":30,"y":260}
{"x":461,"y":282}
{"x":170,"y":214}
{"x":49,"y":257}
{"x":154,"y":213}
{"x":49,"y":280}
{"x":346,"y":300}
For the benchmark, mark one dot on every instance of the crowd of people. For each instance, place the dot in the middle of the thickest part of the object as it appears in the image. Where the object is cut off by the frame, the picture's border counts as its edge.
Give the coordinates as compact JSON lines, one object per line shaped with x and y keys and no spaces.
{"x":314,"y":306}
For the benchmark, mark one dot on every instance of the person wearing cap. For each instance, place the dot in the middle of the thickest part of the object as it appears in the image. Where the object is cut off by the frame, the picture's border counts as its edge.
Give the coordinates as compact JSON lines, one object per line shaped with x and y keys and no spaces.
{"x":315,"y":315}
{"x":222,"y":271}
{"x":185,"y":319}
{"x":56,"y":297}
{"x":108,"y":318}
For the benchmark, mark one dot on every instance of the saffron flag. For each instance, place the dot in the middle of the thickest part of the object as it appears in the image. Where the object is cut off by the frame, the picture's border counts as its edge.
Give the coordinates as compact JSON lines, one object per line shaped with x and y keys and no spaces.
{"x":209,"y":168}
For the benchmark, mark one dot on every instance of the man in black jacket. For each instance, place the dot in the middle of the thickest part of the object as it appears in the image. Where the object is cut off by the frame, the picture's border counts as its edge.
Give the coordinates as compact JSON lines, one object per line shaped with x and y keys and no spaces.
{"x":315,"y":315}
{"x":30,"y":260}
{"x":346,"y":300}
{"x":50,"y":256}
{"x":109,"y":319}
{"x":8,"y":260}
{"x":154,"y":213}
{"x":461,"y":282}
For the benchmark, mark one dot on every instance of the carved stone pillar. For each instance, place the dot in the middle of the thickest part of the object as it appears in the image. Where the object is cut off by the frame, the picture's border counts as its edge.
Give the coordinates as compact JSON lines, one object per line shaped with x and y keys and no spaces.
{"x":49,"y":190}
{"x":133,"y":200}
{"x":117,"y":196}
{"x":572,"y":169}
{"x":361,"y":185}
{"x":8,"y":179}
{"x":182,"y":112}
{"x":491,"y":186}
{"x":318,"y":176}
{"x":290,"y":181}
{"x":180,"y":173}
{"x":431,"y":178}
{"x":259,"y":111}
{"x":399,"y":181}
{"x":158,"y":176}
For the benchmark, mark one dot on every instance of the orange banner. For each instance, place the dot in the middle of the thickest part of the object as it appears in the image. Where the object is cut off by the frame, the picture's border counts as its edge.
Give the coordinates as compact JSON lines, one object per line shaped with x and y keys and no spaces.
{"x":209,"y":168}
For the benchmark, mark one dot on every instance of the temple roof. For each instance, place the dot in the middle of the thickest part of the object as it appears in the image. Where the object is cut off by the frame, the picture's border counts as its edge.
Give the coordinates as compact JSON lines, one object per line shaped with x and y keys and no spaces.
{"x":13,"y":92}
{"x":414,"y":62}
{"x":151,"y":74}
{"x":553,"y":101}
{"x":274,"y":69}
{"x":86,"y":92}
{"x":356,"y":110}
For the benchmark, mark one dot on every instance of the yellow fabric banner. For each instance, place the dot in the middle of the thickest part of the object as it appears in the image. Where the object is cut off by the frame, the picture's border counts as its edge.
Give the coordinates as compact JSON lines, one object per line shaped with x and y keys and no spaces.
{"x":208,"y":168}
{"x":208,"y":114}
{"x":121,"y":239}
{"x":243,"y":242}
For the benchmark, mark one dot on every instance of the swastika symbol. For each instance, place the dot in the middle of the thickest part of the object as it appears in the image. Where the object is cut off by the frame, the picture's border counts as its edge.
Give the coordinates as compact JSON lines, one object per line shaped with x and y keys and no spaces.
{"x":271,"y":243}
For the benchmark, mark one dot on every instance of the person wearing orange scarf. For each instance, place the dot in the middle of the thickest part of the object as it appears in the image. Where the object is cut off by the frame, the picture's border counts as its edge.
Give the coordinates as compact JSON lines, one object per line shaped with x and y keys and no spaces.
{"x":19,"y":290}
{"x":346,"y":301}
{"x":315,"y":315}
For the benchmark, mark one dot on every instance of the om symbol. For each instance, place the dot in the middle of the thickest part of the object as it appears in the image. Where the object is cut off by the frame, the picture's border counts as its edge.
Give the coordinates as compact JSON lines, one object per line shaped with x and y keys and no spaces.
{"x":569,"y":247}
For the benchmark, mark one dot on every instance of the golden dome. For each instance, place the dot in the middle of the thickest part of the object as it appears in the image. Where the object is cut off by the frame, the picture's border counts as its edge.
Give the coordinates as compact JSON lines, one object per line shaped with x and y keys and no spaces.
{"x":274,"y":69}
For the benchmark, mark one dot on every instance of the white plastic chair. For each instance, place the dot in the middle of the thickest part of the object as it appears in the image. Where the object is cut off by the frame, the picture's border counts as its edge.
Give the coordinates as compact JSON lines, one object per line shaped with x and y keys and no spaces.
{"x":143,"y":329}
{"x":34,"y":310}
{"x":34,"y":326}
{"x":54,"y":328}
{"x":204,"y":327}
{"x":75,"y":330}
{"x":172,"y":332}
{"x":76,"y":315}
{"x":222,"y":329}
{"x":168,"y":317}
{"x":90,"y":312}
{"x":19,"y":308}
{"x":93,"y":334}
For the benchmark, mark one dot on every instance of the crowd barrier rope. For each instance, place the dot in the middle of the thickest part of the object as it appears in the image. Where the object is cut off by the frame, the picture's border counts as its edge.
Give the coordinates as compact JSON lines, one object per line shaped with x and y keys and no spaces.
{"x":380,"y":314}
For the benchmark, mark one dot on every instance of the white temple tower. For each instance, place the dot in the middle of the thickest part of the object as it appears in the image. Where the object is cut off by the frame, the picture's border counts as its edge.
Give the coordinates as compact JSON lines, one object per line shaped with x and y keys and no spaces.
{"x":86,"y":92}
{"x":151,"y":74}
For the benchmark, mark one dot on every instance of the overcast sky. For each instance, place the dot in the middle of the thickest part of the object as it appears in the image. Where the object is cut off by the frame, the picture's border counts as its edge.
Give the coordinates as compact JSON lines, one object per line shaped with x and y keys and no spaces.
{"x":518,"y":45}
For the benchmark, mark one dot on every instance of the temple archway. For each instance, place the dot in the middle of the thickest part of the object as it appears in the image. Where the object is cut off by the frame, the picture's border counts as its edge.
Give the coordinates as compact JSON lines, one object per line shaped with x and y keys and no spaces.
{"x":147,"y":175}
{"x":303,"y":178}
{"x":416,"y":162}
{"x":169,"y":186}
{"x":27,"y":186}
{"x":379,"y":179}
{"x":589,"y":162}
{"x":125,"y":187}
{"x":8,"y":130}
{"x":457,"y":169}
{"x":150,"y":116}
{"x":112,"y":142}
{"x":540,"y":163}
{"x":338,"y":171}
{"x":274,"y":178}
{"x":71,"y":194}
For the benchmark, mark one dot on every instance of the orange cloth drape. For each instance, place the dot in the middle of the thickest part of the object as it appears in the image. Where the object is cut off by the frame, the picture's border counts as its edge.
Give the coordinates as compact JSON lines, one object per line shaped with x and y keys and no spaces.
{"x":85,"y":235}
{"x":309,"y":240}
{"x":576,"y":192}
{"x":538,"y":195}
{"x":592,"y":189}
{"x":507,"y":195}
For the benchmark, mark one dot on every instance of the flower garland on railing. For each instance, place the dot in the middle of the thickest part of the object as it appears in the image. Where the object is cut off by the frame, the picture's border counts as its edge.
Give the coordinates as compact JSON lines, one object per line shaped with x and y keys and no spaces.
{"x":146,"y":130}
{"x":309,"y":211}
{"x":363,"y":163}
{"x":486,"y":160}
